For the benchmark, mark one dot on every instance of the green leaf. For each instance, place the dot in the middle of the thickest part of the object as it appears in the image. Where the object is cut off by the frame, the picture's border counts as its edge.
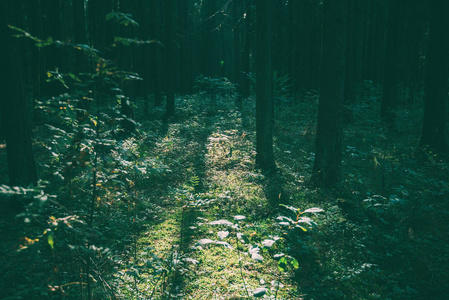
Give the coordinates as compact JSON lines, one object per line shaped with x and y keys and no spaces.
{"x":223,"y":234}
{"x":203,"y":242}
{"x":221,"y":222}
{"x":303,"y":229}
{"x":293,"y":209}
{"x":282,"y":264}
{"x":268,"y":243}
{"x":259,"y":292}
{"x":50,"y":241}
{"x":313,"y":210}
{"x":294,"y":263}
{"x":239,"y":218}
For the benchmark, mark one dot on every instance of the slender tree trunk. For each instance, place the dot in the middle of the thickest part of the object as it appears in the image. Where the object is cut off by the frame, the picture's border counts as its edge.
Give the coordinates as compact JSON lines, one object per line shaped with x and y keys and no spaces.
{"x":245,"y":83}
{"x":293,"y":42}
{"x":360,"y":11}
{"x":390,"y":91}
{"x":415,"y":37}
{"x":350,"y":64}
{"x":156,"y":14}
{"x":309,"y":45}
{"x":211,"y":62}
{"x":238,"y":19}
{"x":186,"y":65}
{"x":328,"y":152}
{"x":375,"y":49}
{"x":13,"y":104}
{"x":101,"y":34}
{"x":169,"y":67}
{"x":37,"y":55}
{"x":264,"y":91}
{"x":436,"y":90}
{"x":79,"y":33}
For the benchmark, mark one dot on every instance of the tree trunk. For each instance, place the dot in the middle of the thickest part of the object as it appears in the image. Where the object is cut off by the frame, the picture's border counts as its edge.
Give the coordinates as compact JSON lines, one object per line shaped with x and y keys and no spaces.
{"x":101,"y":35}
{"x":79,"y":33}
{"x":37,"y":55}
{"x":238,"y":19}
{"x":210,"y":58}
{"x":169,"y":67}
{"x":349,"y":94}
{"x":264,"y":91}
{"x":434,"y":122}
{"x":390,"y":91}
{"x":245,"y":83}
{"x":328,"y":152}
{"x":156,"y":13}
{"x":186,"y":64}
{"x":13,"y":105}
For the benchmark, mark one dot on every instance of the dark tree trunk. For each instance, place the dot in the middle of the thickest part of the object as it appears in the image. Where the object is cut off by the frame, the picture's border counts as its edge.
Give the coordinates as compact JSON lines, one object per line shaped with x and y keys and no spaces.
{"x":210,"y":58}
{"x":434,"y":122}
{"x":375,"y":36}
{"x":169,"y":58}
{"x":360,"y":11}
{"x":37,"y":55}
{"x":328,"y":152}
{"x":416,"y":17}
{"x":350,"y":64}
{"x":264,"y":91}
{"x":101,"y":35}
{"x":354,"y":55}
{"x":185,"y":34}
{"x":293,"y":43}
{"x":238,"y":19}
{"x":79,"y":20}
{"x":309,"y":44}
{"x":126,"y":63}
{"x":390,"y":92}
{"x":52,"y":29}
{"x":54,"y":54}
{"x":156,"y":13}
{"x":247,"y":33}
{"x":14,"y":106}
{"x":145,"y":54}
{"x":79,"y":33}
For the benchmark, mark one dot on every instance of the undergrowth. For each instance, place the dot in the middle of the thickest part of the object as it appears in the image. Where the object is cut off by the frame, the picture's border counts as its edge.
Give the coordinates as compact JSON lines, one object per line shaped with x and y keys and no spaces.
{"x":180,"y":211}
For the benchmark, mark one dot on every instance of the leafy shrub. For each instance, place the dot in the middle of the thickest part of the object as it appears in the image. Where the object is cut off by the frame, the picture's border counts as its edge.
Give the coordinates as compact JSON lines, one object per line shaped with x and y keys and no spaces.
{"x":214,"y":86}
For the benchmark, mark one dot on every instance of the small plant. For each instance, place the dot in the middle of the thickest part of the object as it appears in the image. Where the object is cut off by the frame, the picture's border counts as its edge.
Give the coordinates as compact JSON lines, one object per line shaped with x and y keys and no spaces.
{"x":214,"y":86}
{"x":257,"y":245}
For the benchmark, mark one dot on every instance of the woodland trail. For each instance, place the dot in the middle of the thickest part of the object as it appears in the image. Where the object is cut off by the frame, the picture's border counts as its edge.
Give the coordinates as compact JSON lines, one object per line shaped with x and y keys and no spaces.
{"x":201,"y":260}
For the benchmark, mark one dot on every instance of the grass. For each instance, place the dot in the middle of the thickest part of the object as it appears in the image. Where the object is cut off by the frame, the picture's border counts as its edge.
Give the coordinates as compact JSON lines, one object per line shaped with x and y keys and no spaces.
{"x":382,"y":235}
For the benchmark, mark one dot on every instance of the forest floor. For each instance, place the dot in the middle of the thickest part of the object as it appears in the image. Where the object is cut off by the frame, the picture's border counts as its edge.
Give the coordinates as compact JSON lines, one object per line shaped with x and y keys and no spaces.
{"x":181,"y":212}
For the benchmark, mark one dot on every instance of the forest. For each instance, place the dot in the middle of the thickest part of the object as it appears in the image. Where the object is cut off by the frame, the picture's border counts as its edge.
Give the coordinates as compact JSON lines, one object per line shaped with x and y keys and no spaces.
{"x":224,"y":149}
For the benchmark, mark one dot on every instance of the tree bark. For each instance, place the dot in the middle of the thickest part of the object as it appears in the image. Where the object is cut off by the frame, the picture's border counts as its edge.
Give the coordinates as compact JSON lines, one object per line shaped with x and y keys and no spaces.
{"x":390,"y":92}
{"x":14,"y":106}
{"x":79,"y":33}
{"x":264,"y":91}
{"x":169,"y":67}
{"x":434,"y":121}
{"x":156,"y":13}
{"x":237,"y":20}
{"x":245,"y":83}
{"x":328,"y":146}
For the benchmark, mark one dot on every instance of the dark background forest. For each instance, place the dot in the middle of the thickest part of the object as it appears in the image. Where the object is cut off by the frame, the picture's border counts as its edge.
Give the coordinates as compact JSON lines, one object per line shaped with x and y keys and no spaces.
{"x":224,"y":149}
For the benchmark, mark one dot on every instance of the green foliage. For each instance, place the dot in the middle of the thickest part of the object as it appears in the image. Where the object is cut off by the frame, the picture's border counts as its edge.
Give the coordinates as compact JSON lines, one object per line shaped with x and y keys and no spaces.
{"x":122,"y":19}
{"x":281,"y":84}
{"x":214,"y":86}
